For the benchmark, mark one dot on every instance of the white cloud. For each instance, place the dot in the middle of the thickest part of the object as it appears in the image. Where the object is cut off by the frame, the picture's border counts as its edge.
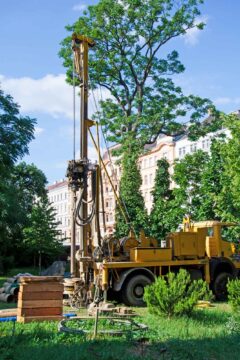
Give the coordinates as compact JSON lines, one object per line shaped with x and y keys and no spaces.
{"x":192,"y":35}
{"x":227,"y":101}
{"x":38,"y":130}
{"x":49,"y":95}
{"x":79,"y":7}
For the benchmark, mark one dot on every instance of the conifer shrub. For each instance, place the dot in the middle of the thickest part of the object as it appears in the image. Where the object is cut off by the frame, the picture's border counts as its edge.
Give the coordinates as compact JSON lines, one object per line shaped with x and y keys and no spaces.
{"x":175,"y":294}
{"x":233,"y":287}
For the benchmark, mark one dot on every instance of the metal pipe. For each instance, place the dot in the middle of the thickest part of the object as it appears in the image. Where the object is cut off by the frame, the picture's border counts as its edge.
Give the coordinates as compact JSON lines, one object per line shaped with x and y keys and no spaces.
{"x":73,"y":235}
{"x":84,"y":137}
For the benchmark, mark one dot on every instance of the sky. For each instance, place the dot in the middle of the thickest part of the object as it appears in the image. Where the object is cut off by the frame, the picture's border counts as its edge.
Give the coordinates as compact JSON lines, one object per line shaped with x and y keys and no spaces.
{"x":32,"y":72}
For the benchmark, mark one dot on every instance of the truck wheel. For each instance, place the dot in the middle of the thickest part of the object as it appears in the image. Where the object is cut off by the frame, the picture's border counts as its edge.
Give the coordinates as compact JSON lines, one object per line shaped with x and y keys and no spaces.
{"x":220,"y":285}
{"x":134,"y":289}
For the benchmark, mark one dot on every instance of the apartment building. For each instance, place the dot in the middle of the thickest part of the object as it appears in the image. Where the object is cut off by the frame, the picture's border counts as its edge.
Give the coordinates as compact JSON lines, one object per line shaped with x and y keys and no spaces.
{"x":165,"y":147}
{"x":59,"y":197}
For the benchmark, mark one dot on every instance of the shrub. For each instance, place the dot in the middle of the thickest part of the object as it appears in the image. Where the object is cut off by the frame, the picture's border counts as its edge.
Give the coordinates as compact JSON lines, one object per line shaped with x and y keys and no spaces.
{"x":176,"y":294}
{"x":233,"y":287}
{"x":233,"y":325}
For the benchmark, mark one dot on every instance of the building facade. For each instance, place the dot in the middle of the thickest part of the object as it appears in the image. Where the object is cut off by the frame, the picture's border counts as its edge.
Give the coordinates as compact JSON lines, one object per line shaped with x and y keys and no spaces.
{"x":165,"y":147}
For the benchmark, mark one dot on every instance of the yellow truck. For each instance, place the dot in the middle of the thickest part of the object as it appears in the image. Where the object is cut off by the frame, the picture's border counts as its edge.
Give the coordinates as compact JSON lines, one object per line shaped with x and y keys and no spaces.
{"x":199,"y":248}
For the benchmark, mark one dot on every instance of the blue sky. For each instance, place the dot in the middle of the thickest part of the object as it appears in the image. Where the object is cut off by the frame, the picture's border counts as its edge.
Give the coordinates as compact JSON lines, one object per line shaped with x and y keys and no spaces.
{"x":32,"y":73}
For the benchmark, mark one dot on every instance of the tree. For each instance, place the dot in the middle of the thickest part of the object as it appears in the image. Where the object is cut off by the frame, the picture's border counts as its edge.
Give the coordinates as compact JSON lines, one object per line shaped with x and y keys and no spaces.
{"x":161,"y":215}
{"x":188,"y":174}
{"x":30,"y":184}
{"x":16,"y":132}
{"x":228,"y":199}
{"x":41,"y":236}
{"x":131,"y":198}
{"x":131,"y":36}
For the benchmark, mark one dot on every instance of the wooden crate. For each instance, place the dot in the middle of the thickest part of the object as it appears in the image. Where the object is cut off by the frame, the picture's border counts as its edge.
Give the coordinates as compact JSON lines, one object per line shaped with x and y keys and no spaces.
{"x":49,"y":295}
{"x":28,"y":319}
{"x":40,"y":299}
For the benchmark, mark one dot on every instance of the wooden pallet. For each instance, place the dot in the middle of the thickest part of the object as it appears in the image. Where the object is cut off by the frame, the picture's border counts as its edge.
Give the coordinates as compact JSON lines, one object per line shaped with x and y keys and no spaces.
{"x":49,"y":295}
{"x":41,"y":287}
{"x":28,"y":319}
{"x":40,"y":299}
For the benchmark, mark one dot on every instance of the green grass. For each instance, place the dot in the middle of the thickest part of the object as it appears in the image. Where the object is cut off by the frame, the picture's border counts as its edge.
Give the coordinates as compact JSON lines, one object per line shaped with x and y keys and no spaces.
{"x":204,"y":336}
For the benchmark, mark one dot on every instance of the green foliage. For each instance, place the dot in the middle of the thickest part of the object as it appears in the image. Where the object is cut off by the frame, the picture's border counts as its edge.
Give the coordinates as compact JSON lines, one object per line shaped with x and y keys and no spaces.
{"x":233,"y":325}
{"x":161,"y":217}
{"x":233,"y":287}
{"x":188,"y":174}
{"x":131,"y":198}
{"x":41,"y":235}
{"x":126,"y":63}
{"x":176,"y":294}
{"x":16,"y":132}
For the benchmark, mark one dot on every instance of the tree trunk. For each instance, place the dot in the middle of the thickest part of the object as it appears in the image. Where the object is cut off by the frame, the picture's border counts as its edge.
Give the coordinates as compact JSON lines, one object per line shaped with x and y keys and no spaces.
{"x":40,"y":262}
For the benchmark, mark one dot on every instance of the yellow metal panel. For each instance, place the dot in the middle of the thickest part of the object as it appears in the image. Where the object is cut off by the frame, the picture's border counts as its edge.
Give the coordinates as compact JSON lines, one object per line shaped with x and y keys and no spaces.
{"x":150,"y":254}
{"x":105,"y":278}
{"x":133,"y":264}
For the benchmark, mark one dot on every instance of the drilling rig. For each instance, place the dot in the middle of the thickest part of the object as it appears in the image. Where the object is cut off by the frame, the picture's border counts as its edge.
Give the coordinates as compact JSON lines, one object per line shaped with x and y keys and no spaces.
{"x":123,"y":267}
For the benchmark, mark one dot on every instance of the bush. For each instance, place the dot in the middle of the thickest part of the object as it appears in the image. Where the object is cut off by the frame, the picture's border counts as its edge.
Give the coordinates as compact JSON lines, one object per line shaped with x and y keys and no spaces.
{"x":233,"y":287}
{"x":233,"y":325}
{"x":176,"y":294}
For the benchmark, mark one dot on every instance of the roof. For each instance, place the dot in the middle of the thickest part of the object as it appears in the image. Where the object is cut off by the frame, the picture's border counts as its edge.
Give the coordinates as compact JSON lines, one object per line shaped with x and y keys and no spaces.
{"x":210,"y":223}
{"x":57,"y":184}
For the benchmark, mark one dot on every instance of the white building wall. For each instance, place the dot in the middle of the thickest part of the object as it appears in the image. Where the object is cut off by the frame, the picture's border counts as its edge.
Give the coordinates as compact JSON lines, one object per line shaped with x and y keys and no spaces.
{"x":165,"y":147}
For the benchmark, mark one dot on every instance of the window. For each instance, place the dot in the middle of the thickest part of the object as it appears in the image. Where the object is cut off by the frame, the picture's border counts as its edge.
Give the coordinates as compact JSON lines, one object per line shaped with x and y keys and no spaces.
{"x":203,"y":144}
{"x":207,"y":143}
{"x":107,"y":204}
{"x":150,"y":179}
{"x":146,"y":196}
{"x":150,"y":162}
{"x":180,"y":152}
{"x":145,"y":180}
{"x":165,"y":155}
{"x":145,"y":163}
{"x":183,"y":150}
{"x":193,"y":148}
{"x":106,"y":189}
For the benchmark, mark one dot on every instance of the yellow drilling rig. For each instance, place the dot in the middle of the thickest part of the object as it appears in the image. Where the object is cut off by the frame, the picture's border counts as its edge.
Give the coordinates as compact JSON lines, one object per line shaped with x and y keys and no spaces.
{"x":121,"y":268}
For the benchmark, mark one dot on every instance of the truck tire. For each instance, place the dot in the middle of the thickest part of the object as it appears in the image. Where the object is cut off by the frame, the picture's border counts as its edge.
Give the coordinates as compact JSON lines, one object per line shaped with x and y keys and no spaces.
{"x":220,"y":285}
{"x":133,"y":290}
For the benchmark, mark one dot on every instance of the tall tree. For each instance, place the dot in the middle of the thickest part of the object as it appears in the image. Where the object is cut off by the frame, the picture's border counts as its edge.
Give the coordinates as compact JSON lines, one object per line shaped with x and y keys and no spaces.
{"x":188,"y":174}
{"x":128,"y":62}
{"x":16,"y":132}
{"x":161,"y":215}
{"x":228,"y":199}
{"x":131,"y":198}
{"x":42,"y":236}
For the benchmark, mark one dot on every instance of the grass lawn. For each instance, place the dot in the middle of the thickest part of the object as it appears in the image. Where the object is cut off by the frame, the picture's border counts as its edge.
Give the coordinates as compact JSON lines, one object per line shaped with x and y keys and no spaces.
{"x":204,"y":336}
